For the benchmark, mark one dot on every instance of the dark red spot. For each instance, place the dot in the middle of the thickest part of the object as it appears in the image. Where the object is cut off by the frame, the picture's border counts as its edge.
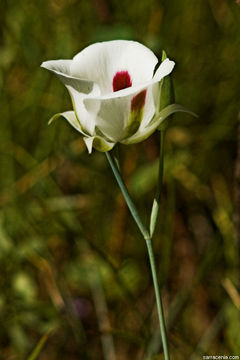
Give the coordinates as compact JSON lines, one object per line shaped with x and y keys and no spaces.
{"x":138,"y":101}
{"x":121,"y":80}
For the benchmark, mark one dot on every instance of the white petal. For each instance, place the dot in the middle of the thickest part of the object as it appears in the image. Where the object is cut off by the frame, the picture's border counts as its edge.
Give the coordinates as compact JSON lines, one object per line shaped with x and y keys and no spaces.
{"x":57,"y":66}
{"x":114,"y":115}
{"x":98,"y":143}
{"x":61,"y":68}
{"x":165,"y":68}
{"x":86,"y":119}
{"x":78,"y":89}
{"x":101,"y":61}
{"x":114,"y":110}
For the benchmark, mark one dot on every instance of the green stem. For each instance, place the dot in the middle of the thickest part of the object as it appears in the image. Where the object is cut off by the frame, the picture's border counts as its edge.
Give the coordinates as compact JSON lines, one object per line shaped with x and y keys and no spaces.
{"x":157,"y":199}
{"x":116,"y":157}
{"x":148,"y":240}
{"x":158,"y":299}
{"x":127,"y":197}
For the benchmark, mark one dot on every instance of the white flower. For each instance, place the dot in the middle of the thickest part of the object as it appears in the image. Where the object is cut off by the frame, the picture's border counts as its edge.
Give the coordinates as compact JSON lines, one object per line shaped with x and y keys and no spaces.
{"x":114,"y":91}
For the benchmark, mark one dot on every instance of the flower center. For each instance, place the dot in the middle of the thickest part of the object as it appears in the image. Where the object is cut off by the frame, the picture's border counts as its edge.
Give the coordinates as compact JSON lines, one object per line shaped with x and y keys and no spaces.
{"x":121,"y":80}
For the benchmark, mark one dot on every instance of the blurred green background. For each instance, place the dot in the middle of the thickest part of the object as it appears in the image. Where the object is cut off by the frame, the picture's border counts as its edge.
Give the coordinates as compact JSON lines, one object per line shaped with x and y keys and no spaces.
{"x":74,"y":273}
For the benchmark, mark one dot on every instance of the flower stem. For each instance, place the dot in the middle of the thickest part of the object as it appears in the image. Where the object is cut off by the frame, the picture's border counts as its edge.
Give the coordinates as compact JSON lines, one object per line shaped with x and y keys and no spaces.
{"x":127,"y":197}
{"x":157,"y":199}
{"x":158,"y":299}
{"x":148,"y":240}
{"x":116,"y":157}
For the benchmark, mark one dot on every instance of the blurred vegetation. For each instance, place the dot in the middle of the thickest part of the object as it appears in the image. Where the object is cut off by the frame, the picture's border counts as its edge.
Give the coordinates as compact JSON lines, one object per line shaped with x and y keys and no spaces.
{"x":74,"y":275}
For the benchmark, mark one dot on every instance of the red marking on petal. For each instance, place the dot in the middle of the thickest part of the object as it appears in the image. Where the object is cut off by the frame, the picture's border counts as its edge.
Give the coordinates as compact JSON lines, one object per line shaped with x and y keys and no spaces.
{"x":121,"y":80}
{"x":138,"y":101}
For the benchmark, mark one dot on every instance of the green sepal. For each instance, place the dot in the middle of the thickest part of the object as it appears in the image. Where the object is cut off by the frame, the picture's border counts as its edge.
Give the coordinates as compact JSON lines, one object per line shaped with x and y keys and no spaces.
{"x":170,"y":110}
{"x":70,"y":116}
{"x":53,"y":118}
{"x":166,"y":112}
{"x":157,"y":121}
{"x":98,"y":143}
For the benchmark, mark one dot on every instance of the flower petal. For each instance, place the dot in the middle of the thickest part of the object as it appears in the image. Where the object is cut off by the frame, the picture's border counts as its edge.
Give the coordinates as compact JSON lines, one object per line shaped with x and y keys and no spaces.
{"x":101,"y":62}
{"x":117,"y":116}
{"x":97,"y":143}
{"x":165,"y":68}
{"x":86,"y":119}
{"x":61,"y":68}
{"x":78,"y":90}
{"x":114,"y":116}
{"x":70,"y":116}
{"x":144,"y":133}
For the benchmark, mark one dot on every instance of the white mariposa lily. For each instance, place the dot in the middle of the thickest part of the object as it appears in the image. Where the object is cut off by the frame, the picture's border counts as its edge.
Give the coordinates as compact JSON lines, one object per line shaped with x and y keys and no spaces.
{"x":114,"y":91}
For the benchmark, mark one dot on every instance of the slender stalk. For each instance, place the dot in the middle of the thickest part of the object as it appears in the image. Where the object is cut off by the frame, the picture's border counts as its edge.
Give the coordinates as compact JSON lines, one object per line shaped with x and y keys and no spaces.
{"x":116,"y":157}
{"x":157,"y":199}
{"x":148,"y":240}
{"x":158,"y":299}
{"x":127,"y":197}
